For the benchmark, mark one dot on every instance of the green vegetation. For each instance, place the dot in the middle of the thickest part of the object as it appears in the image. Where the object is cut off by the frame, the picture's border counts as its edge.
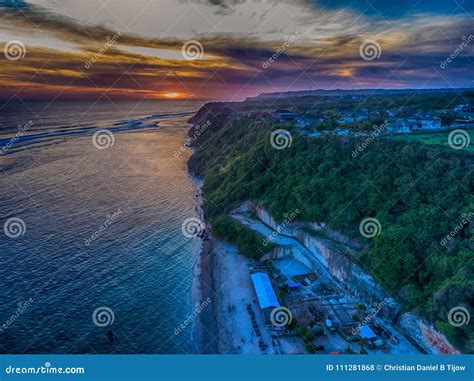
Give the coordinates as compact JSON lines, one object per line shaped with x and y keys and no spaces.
{"x":439,"y":138}
{"x":418,"y":192}
{"x":248,"y":242}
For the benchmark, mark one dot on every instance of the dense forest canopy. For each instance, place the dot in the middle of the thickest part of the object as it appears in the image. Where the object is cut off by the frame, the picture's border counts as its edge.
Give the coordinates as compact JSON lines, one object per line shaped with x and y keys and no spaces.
{"x":418,"y":193}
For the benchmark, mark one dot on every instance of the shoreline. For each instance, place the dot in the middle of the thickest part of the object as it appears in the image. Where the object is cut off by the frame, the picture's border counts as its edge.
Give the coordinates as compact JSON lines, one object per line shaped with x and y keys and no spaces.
{"x":204,"y":330}
{"x":222,"y":276}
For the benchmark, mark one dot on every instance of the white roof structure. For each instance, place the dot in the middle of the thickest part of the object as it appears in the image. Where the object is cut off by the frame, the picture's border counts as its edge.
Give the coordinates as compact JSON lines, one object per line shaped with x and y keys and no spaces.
{"x":265,"y":294}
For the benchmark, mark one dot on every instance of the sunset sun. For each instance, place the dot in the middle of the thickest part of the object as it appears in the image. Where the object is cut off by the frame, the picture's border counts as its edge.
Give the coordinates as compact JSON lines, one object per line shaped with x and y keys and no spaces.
{"x":171,"y":95}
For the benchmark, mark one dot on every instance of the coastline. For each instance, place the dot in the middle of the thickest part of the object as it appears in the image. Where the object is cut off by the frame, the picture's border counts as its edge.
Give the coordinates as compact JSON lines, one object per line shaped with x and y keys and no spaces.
{"x":222,"y":276}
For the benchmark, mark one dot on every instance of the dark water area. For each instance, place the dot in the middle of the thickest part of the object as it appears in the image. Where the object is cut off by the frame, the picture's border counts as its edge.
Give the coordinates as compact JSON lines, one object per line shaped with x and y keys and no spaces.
{"x":97,"y":229}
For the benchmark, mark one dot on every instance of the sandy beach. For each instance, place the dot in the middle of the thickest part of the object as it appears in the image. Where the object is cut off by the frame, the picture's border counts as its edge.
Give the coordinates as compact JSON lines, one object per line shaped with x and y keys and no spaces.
{"x":222,"y":275}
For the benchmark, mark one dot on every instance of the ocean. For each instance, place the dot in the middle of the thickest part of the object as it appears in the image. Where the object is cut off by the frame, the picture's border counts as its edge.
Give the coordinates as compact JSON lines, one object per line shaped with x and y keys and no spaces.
{"x":92,"y":201}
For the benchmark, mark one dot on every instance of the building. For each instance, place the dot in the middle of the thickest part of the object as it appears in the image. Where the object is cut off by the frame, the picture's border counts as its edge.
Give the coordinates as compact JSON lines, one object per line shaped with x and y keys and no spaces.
{"x":266,"y":297}
{"x":403,"y":126}
{"x":284,"y":115}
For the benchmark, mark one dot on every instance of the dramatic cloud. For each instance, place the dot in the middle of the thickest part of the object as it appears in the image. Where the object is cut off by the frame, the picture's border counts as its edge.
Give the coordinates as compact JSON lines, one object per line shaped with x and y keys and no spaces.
{"x":236,"y":48}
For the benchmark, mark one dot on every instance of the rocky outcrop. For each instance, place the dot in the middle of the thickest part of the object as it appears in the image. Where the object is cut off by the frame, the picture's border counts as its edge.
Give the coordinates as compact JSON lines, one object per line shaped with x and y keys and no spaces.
{"x":339,"y":257}
{"x":425,"y":335}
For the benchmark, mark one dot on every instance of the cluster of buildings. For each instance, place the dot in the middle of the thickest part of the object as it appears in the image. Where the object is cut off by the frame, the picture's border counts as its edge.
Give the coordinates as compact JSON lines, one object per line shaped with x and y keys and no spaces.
{"x":464,"y":117}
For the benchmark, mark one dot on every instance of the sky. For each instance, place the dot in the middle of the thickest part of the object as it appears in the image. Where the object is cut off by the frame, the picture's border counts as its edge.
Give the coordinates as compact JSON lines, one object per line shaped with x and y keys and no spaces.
{"x":230,"y":49}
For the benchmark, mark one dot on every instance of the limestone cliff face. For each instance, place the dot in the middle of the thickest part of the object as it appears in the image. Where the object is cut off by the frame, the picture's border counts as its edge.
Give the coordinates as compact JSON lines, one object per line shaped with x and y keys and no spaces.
{"x":339,"y":258}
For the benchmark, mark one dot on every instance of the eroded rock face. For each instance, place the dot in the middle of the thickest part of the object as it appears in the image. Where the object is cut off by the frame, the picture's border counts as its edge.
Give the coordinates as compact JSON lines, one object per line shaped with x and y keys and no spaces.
{"x":338,"y":257}
{"x":425,"y":335}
